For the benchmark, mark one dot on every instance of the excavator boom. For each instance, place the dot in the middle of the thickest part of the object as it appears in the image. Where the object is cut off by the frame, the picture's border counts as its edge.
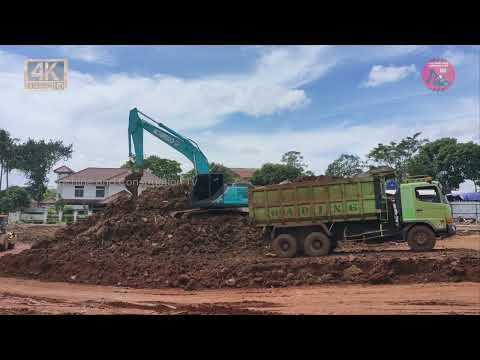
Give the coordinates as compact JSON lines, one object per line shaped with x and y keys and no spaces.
{"x":184,"y":145}
{"x":136,"y":126}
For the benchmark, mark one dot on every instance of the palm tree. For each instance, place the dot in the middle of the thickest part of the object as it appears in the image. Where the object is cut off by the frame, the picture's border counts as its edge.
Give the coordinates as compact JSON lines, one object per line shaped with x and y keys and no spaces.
{"x":4,"y":137}
{"x":8,"y":155}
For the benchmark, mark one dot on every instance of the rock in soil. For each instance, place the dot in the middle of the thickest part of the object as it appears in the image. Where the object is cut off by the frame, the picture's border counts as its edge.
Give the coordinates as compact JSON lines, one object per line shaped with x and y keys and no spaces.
{"x":351,"y":272}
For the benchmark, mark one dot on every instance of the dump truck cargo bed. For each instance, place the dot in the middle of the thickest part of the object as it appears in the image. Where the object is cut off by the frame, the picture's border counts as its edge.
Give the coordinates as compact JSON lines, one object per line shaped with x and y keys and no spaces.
{"x":306,"y":202}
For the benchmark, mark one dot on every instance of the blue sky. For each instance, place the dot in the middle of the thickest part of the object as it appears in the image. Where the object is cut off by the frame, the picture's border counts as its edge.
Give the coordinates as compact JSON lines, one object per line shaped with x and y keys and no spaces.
{"x":244,"y":105}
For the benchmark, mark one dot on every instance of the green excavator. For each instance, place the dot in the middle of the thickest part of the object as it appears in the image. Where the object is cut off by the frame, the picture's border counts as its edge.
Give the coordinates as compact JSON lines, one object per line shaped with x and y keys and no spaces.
{"x":209,"y":191}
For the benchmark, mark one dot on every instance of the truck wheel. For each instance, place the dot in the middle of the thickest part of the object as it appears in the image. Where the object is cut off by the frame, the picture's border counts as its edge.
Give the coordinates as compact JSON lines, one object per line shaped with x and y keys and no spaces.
{"x":285,"y":245}
{"x":11,"y":246}
{"x":317,"y":244}
{"x":421,"y":238}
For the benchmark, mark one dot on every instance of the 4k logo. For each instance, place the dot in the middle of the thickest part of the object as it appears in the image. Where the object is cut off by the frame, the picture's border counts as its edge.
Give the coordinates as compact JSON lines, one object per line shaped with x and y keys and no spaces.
{"x":46,"y":74}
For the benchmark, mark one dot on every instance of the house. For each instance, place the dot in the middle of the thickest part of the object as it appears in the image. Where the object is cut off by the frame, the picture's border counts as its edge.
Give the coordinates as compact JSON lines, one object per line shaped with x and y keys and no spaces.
{"x":95,"y":187}
{"x":244,"y":173}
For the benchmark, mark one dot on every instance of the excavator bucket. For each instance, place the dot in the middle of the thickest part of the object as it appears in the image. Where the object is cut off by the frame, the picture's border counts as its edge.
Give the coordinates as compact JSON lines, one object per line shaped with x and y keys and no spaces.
{"x":132,"y":181}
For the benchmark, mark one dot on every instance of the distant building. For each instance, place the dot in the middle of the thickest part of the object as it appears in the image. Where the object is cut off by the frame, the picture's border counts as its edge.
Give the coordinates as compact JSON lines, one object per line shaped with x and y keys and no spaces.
{"x":244,"y":173}
{"x":95,"y":187}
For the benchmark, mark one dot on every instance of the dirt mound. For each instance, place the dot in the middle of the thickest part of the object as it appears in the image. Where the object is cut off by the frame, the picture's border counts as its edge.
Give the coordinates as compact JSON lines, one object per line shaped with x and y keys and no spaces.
{"x":30,"y":233}
{"x":319,"y":179}
{"x":138,"y":244}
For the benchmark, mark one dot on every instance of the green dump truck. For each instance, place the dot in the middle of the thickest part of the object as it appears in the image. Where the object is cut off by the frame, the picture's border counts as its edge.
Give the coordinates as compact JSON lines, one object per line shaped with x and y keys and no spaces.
{"x":312,"y":217}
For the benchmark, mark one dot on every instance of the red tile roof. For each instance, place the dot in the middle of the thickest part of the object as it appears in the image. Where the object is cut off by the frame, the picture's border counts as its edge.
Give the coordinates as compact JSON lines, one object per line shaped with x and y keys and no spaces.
{"x":107,"y":175}
{"x":243,"y":172}
{"x":148,"y":178}
{"x":63,"y":170}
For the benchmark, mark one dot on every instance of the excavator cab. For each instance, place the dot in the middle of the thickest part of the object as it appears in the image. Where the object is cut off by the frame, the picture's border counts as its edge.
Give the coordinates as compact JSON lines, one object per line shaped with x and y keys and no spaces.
{"x":210,"y":191}
{"x":205,"y":186}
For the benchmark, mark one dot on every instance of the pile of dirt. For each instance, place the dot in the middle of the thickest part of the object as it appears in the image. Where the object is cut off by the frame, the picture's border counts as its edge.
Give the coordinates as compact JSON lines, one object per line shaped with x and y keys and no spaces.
{"x":323,"y":179}
{"x":30,"y":233}
{"x":138,"y":244}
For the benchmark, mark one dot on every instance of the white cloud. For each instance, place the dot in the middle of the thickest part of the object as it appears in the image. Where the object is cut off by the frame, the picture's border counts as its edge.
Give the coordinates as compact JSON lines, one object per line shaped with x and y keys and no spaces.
{"x":93,"y":112}
{"x":400,"y":50}
{"x":380,"y":74}
{"x":300,"y":64}
{"x":10,"y":64}
{"x":88,"y":53}
{"x":375,"y":53}
{"x":321,"y":146}
{"x":454,"y":56}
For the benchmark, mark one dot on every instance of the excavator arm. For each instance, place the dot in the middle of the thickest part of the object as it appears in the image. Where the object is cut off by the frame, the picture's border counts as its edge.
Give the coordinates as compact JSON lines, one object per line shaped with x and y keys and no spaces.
{"x":184,"y":145}
{"x":209,"y":190}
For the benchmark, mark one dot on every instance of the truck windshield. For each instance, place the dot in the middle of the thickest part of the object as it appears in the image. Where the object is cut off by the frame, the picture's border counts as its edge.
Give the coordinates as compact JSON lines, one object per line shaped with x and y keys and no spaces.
{"x":428,"y":194}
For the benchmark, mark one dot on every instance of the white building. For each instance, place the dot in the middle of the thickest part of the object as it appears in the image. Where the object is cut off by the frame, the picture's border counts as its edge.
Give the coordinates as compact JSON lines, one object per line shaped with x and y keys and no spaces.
{"x":95,"y":187}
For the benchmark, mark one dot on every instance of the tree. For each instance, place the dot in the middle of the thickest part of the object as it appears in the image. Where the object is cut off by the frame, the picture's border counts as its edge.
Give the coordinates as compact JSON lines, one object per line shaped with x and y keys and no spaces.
{"x":470,"y":153}
{"x":163,"y":168}
{"x":36,"y":160}
{"x":127,"y":165}
{"x":8,"y":155}
{"x":448,"y":161}
{"x":397,"y":156}
{"x":50,"y":194}
{"x":294,"y":159}
{"x":275,"y":173}
{"x":14,"y":198}
{"x":60,"y":204}
{"x":188,"y":176}
{"x":292,"y":168}
{"x":228,"y":175}
{"x":345,"y":166}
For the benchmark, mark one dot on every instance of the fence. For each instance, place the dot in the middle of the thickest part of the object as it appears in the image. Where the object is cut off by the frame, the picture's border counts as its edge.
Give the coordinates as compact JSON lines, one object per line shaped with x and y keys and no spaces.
{"x":466,"y":210}
{"x":49,"y":215}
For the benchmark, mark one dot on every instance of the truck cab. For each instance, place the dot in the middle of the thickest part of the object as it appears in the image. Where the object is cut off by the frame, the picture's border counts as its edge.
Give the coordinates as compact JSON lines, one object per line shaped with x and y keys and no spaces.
{"x":422,"y":202}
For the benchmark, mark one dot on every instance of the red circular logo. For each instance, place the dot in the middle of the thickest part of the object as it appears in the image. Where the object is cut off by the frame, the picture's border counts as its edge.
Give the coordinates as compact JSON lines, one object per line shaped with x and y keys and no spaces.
{"x":438,"y":74}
